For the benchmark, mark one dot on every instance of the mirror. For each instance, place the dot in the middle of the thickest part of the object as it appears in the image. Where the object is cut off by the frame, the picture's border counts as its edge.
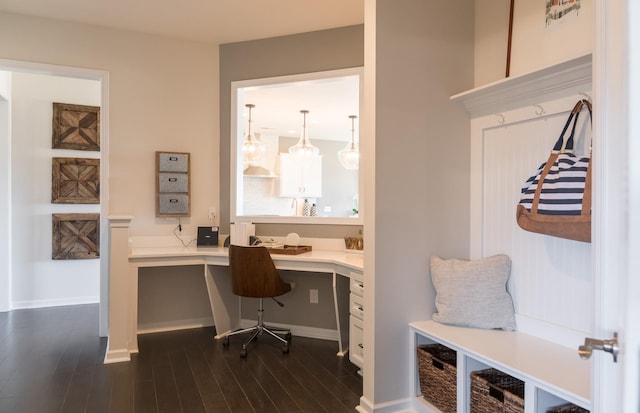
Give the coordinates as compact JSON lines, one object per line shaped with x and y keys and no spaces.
{"x":270,"y":185}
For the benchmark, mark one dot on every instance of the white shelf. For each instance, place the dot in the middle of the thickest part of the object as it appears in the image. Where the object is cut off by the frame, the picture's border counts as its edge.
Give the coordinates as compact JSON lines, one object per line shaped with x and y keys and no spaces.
{"x":560,"y":80}
{"x":552,"y":368}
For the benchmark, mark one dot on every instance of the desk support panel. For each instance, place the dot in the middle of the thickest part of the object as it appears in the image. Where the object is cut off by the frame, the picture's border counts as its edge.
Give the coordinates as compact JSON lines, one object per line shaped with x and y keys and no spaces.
{"x":225,"y":307}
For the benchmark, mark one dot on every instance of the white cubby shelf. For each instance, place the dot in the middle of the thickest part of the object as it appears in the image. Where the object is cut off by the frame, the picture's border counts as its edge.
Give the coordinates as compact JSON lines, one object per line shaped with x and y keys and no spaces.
{"x":553,"y":374}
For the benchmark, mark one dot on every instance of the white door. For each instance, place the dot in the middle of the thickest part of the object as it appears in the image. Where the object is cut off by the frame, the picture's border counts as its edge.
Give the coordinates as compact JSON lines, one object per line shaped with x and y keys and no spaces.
{"x":617,"y":196}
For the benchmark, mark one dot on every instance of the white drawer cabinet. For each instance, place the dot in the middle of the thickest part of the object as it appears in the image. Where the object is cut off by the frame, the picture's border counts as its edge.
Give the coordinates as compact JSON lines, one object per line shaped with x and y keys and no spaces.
{"x":356,"y":319}
{"x":553,"y":374}
{"x":355,"y":341}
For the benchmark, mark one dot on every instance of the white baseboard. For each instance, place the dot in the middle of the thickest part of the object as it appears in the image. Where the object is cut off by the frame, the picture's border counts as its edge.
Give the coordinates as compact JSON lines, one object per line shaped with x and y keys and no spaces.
{"x":300,"y":331}
{"x":57,"y":302}
{"x":116,"y":356}
{"x":396,"y":406}
{"x":174,"y":325}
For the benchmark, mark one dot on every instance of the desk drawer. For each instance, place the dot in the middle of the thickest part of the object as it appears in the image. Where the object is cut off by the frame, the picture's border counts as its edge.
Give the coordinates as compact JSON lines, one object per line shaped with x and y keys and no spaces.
{"x":356,"y":306}
{"x":357,"y":286}
{"x":356,"y":347}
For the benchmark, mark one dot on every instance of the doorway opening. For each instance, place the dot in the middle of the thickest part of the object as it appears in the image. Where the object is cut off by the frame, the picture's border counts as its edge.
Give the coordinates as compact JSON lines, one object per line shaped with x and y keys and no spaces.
{"x":30,"y":277}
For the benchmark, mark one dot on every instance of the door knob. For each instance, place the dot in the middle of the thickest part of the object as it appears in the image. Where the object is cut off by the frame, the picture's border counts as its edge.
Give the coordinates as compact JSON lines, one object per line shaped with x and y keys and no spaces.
{"x":609,"y":346}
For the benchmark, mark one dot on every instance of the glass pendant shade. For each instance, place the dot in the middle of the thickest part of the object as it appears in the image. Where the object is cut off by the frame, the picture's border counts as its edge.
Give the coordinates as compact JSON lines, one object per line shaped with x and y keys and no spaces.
{"x":304,"y":146}
{"x":349,"y":157}
{"x":252,"y":148}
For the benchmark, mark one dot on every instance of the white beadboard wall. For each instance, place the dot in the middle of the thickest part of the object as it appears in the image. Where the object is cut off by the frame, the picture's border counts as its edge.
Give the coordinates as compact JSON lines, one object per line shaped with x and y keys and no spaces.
{"x":551,"y":280}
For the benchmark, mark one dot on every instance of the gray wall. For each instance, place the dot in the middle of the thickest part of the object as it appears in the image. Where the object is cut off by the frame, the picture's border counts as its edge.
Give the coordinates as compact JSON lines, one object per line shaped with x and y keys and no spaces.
{"x":423,"y":55}
{"x":279,"y":56}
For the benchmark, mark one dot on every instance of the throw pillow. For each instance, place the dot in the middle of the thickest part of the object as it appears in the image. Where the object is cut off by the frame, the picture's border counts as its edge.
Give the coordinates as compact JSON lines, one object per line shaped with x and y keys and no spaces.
{"x":473,"y":293}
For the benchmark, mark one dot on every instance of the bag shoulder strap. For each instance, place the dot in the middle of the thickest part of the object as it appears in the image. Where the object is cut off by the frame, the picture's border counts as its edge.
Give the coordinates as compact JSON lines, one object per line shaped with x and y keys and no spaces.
{"x":562,"y":145}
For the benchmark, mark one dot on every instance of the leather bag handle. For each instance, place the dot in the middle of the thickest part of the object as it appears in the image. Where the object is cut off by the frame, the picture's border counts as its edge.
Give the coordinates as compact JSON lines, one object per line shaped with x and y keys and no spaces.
{"x":562,"y":145}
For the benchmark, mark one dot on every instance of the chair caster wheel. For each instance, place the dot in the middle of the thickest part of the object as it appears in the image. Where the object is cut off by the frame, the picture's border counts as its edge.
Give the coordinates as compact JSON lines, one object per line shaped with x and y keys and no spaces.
{"x":285,"y":350}
{"x":225,"y":341}
{"x":243,"y":354}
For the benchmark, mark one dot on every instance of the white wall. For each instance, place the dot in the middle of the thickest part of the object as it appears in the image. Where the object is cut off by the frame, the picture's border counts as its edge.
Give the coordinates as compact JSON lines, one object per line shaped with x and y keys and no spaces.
{"x":37,"y":280}
{"x":163,"y":95}
{"x":533,"y":45}
{"x":551,"y":278}
{"x":5,"y":187}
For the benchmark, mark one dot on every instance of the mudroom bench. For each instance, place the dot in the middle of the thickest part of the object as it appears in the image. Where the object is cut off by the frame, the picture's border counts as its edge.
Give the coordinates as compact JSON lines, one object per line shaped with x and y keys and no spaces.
{"x":552,"y":374}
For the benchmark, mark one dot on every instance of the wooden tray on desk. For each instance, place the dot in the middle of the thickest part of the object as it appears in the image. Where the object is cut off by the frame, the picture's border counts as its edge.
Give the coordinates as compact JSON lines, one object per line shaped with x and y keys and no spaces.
{"x":290,"y":249}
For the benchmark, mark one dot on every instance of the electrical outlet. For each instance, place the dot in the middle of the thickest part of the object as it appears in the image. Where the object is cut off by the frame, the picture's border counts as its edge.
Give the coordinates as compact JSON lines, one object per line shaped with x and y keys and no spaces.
{"x":212,"y":213}
{"x":313,"y":296}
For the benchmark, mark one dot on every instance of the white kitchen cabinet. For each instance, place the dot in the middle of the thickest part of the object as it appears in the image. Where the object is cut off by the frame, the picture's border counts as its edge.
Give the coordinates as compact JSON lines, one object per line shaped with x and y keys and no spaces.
{"x":300,"y":177}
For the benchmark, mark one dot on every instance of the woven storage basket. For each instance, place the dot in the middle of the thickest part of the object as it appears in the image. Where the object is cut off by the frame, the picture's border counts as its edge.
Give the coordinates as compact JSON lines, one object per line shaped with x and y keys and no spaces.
{"x":567,"y":408}
{"x":437,"y":372}
{"x":493,"y":391}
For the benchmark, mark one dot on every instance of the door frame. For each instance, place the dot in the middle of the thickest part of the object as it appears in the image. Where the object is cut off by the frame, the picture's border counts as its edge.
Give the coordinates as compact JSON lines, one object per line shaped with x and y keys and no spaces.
{"x":616,"y":229}
{"x":103,"y":77}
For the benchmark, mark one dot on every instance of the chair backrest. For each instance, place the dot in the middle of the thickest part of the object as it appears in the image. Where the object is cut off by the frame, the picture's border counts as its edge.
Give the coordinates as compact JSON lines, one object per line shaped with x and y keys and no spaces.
{"x":253,"y":273}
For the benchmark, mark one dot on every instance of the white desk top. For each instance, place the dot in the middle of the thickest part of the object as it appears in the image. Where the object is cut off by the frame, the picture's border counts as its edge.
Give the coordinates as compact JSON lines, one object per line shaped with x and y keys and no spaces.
{"x":220,"y":255}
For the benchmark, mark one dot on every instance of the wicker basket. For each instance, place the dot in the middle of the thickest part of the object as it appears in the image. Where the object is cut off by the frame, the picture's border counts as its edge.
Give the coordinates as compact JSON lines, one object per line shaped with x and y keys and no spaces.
{"x":493,"y":391}
{"x":567,"y":408}
{"x":437,"y":372}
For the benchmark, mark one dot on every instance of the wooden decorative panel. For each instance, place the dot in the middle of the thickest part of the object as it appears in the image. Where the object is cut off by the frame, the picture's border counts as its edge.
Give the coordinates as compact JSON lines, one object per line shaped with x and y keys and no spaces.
{"x":76,"y":127}
{"x":75,"y":181}
{"x":76,"y":236}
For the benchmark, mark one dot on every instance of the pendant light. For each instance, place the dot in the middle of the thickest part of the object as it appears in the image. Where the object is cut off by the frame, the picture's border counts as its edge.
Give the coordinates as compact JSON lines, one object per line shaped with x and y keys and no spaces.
{"x":252,"y":148}
{"x":304,"y":146}
{"x":349,"y":157}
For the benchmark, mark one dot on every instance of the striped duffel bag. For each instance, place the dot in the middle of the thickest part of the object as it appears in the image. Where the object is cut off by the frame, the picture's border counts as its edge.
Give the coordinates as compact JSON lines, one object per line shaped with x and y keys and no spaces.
{"x":556,"y":200}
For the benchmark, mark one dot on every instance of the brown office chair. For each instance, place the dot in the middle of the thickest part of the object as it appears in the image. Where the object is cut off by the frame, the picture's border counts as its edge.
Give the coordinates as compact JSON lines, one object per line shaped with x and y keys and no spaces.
{"x":253,"y":274}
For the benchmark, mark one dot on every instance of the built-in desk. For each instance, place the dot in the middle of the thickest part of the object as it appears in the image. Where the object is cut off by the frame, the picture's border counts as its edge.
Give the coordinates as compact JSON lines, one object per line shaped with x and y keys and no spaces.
{"x":224,"y":305}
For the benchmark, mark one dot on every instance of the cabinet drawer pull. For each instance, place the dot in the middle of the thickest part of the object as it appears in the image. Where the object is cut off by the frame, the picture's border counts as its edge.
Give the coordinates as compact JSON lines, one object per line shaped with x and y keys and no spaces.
{"x":360,"y":345}
{"x":361,"y":309}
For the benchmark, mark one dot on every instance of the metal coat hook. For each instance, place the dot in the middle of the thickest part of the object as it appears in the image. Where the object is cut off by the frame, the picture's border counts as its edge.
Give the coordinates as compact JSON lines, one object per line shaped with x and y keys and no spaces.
{"x":586,"y":95}
{"x":501,"y":118}
{"x":540,"y":110}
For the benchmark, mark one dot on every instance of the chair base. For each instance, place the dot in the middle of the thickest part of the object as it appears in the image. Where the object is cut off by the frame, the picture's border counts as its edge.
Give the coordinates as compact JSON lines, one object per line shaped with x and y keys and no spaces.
{"x":259,"y":329}
{"x":256,"y":331}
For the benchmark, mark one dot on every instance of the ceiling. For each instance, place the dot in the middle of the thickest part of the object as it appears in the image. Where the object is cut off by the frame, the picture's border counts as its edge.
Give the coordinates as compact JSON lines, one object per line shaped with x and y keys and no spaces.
{"x":211,"y":21}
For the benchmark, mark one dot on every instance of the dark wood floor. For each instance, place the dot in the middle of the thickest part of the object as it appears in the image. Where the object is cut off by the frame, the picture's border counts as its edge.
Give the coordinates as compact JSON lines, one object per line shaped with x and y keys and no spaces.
{"x":51,"y":361}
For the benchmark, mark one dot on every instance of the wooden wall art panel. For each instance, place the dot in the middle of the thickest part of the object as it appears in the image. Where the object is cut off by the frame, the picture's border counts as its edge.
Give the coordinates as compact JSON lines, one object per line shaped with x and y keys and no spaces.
{"x":75,"y":236}
{"x":76,"y":127}
{"x":75,"y":181}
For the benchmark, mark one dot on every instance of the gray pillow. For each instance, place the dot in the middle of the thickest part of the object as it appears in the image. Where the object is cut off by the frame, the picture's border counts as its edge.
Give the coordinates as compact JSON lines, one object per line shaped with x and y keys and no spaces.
{"x":473,"y":293}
